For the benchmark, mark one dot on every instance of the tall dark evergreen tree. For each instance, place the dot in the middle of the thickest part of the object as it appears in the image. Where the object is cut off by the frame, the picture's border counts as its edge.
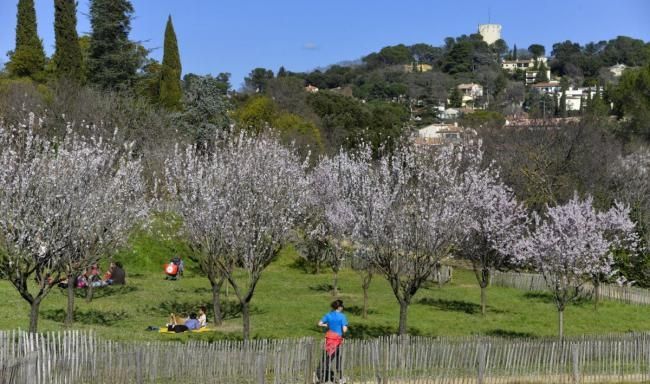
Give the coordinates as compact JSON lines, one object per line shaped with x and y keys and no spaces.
{"x":542,"y":76}
{"x":170,"y":73}
{"x":67,"y":57}
{"x":514,"y":52}
{"x":113,"y":59}
{"x":28,"y":58}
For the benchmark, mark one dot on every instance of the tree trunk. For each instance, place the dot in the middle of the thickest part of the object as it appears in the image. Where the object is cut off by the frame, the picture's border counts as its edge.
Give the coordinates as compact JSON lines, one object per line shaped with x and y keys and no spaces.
{"x":483,"y":299}
{"x":33,"y":315}
{"x":365,"y":284}
{"x":245,"y":314}
{"x":560,"y":319}
{"x":403,"y":311}
{"x":89,"y":292}
{"x":596,"y":294}
{"x":69,"y":317}
{"x":483,"y":282}
{"x":216,"y":302}
{"x":335,"y":289}
{"x":364,"y":314}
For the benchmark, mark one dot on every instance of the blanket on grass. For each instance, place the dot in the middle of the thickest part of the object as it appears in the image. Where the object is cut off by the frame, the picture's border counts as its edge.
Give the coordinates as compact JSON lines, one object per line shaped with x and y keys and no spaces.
{"x":200,"y":330}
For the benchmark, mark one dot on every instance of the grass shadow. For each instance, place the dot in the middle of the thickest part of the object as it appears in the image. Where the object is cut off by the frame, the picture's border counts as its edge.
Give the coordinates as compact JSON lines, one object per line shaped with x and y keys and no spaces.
{"x":302,"y":265}
{"x":547,"y":298}
{"x":366,"y":331}
{"x":230,"y":309}
{"x":357,"y":310}
{"x":99,"y":292}
{"x":510,"y":334}
{"x":90,"y":317}
{"x":203,"y":290}
{"x":451,"y":305}
{"x":325,"y":287}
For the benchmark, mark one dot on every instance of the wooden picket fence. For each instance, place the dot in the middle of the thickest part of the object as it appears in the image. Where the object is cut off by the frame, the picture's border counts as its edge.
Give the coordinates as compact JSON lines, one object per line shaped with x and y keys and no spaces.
{"x":81,"y":357}
{"x":535,"y":282}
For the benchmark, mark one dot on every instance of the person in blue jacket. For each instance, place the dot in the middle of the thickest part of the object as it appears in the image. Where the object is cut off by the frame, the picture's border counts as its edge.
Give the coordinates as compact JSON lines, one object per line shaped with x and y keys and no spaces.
{"x":337,"y":325}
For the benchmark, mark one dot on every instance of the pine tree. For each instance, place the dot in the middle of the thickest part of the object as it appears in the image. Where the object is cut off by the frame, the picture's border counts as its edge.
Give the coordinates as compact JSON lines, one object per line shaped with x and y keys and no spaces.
{"x":113,"y":59}
{"x":67,"y":57}
{"x":170,"y":74}
{"x":282,"y":72}
{"x":28,"y":58}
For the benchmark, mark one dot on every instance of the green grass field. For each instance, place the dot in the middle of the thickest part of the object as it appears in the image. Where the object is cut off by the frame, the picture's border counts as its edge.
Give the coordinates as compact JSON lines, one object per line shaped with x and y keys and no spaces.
{"x":289,"y":302}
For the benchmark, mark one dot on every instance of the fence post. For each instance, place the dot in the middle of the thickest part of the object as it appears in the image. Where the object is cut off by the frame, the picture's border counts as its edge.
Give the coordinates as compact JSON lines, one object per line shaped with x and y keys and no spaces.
{"x":261,"y":368}
{"x":375,"y":360}
{"x":576,"y":363}
{"x":482,"y":357}
{"x":309,"y":373}
{"x":138,"y":367}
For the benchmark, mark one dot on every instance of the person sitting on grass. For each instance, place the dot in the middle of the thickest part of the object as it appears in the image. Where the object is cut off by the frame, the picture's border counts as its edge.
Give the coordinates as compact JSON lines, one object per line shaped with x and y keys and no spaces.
{"x":178,"y":324}
{"x":192,"y":323}
{"x":115,"y":274}
{"x":203,"y":318}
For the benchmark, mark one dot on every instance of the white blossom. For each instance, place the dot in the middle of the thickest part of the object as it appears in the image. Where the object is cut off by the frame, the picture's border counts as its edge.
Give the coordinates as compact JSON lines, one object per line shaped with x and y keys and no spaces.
{"x":239,"y":205}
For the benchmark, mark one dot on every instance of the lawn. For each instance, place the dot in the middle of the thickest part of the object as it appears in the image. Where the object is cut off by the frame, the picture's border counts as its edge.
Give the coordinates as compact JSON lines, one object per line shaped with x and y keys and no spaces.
{"x":289,"y":301}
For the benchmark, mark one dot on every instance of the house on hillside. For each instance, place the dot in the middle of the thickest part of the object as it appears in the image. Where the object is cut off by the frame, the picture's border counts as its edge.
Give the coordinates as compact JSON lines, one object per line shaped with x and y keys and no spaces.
{"x":531,"y":76}
{"x":470,"y":92}
{"x":617,"y":69}
{"x":575,"y":97}
{"x":439,"y":134}
{"x":449,"y":114}
{"x":547,"y":88}
{"x":522,"y":65}
{"x":417,"y":67}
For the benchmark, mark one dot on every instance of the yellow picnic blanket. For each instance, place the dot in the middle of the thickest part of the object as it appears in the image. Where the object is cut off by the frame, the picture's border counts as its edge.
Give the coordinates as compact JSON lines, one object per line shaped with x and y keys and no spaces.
{"x":200,"y":330}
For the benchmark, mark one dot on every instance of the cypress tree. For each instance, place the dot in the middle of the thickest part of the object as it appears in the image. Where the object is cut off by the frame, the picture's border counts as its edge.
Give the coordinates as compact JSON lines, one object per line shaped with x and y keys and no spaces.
{"x":67,"y":57}
{"x":113,"y":59}
{"x":514,"y":52}
{"x":170,"y":72}
{"x":541,"y":73}
{"x":28,"y":58}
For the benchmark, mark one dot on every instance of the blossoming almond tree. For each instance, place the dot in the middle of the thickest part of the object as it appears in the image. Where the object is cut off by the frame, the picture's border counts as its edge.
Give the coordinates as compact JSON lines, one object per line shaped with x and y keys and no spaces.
{"x":405,"y":210}
{"x":494,"y":223}
{"x":239,"y":205}
{"x":336,"y":214}
{"x":53,"y":216}
{"x":106,"y":194}
{"x":572,"y":243}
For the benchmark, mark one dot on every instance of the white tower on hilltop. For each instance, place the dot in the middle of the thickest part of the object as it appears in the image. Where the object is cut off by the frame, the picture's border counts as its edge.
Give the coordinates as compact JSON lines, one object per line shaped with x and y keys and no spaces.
{"x":490,"y":32}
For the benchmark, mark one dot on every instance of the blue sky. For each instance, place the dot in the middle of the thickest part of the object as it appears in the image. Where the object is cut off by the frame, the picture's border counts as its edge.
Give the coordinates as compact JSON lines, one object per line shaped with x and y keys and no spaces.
{"x":238,"y":35}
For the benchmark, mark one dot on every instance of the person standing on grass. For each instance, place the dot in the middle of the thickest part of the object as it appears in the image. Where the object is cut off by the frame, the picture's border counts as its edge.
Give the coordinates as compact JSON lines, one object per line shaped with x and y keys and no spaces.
{"x":337,"y":325}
